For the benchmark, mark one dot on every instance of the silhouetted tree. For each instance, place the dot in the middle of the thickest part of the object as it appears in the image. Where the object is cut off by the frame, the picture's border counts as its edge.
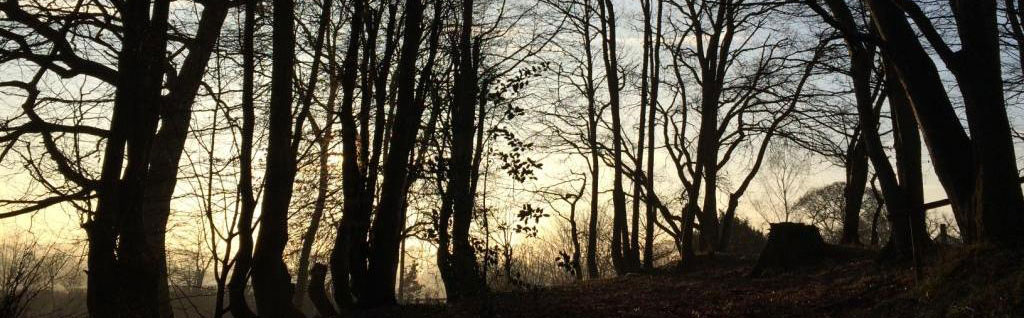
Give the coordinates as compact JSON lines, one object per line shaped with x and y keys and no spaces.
{"x":126,"y":227}
{"x":243,"y":257}
{"x":986,"y":199}
{"x":622,"y":254}
{"x":270,"y":279}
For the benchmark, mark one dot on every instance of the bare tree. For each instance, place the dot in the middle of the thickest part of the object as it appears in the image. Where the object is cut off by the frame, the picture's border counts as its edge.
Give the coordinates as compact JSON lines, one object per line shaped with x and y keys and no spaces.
{"x":383,"y":259}
{"x":652,"y":62}
{"x":238,"y":304}
{"x":270,"y":279}
{"x":783,"y":180}
{"x":582,"y":79}
{"x":127,"y":266}
{"x":729,"y":106}
{"x":27,"y":269}
{"x":621,"y":249}
{"x":902,"y":187}
{"x":323,"y":140}
{"x":464,"y":274}
{"x":555,"y":198}
{"x":985,"y":198}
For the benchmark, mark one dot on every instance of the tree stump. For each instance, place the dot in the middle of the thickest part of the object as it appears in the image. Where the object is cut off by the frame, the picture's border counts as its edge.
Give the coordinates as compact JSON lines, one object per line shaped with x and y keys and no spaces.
{"x":790,"y":246}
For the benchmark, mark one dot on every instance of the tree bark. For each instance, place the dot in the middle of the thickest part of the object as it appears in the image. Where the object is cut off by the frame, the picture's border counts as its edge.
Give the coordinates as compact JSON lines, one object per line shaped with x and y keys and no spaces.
{"x":593,"y":116}
{"x":853,"y":191}
{"x":124,"y":264}
{"x":908,"y":160}
{"x":466,"y":278}
{"x":577,"y":269}
{"x":243,"y":257}
{"x":270,"y":279}
{"x":879,"y":204}
{"x":620,"y":231}
{"x":348,"y":257}
{"x":318,"y":292}
{"x":938,"y":121}
{"x":655,"y":58}
{"x":386,"y":227}
{"x":997,"y":199}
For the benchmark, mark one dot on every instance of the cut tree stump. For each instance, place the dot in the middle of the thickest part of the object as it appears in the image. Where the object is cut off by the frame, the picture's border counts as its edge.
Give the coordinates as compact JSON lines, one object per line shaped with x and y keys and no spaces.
{"x":790,"y":246}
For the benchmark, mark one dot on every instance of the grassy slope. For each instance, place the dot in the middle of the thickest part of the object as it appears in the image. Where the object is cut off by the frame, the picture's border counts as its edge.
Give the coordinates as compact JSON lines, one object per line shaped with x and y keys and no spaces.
{"x":964,"y":283}
{"x":717,"y":288}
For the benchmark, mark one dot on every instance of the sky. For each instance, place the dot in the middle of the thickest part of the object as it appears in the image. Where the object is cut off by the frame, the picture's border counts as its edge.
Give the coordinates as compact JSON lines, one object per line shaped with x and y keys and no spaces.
{"x":61,"y":224}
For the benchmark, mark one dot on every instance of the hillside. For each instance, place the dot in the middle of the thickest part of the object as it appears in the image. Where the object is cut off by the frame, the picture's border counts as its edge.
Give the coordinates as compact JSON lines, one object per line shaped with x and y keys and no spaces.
{"x":856,"y":287}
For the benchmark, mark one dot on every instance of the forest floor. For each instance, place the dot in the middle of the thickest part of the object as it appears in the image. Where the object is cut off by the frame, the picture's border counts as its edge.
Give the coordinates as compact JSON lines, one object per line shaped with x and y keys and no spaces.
{"x":855,"y":286}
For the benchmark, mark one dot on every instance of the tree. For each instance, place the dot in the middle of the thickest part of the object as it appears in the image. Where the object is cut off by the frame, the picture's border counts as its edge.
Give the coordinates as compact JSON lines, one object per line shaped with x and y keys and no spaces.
{"x":571,"y":263}
{"x":823,"y":207}
{"x":243,"y":257}
{"x":488,"y":77}
{"x":464,"y":274}
{"x":582,"y":137}
{"x":137,"y":173}
{"x":348,"y":257}
{"x":383,"y":259}
{"x":357,"y":258}
{"x":783,"y":180}
{"x":985,"y":198}
{"x":902,"y":188}
{"x":652,"y":59}
{"x":736,"y":106}
{"x":621,"y":249}
{"x":270,"y":279}
{"x":26,"y":271}
{"x":324,"y":137}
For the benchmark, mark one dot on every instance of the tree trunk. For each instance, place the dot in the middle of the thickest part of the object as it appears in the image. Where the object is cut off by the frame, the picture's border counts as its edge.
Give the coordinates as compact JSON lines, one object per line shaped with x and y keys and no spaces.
{"x":895,"y":198}
{"x":712,"y":71}
{"x":595,"y":165}
{"x":908,"y":160}
{"x":169,"y":142}
{"x":707,"y":157}
{"x":938,"y":121}
{"x":124,"y":264}
{"x":466,"y":278}
{"x":879,"y":204}
{"x":386,"y":227}
{"x":243,"y":257}
{"x":348,"y":257}
{"x":898,"y":200}
{"x":577,"y":270}
{"x":634,"y":240}
{"x":655,"y":58}
{"x":690,"y":211}
{"x":997,"y":200}
{"x":319,"y":205}
{"x":620,"y":231}
{"x":856,"y":154}
{"x":270,"y":279}
{"x":318,"y":292}
{"x":853,"y":191}
{"x":324,"y":139}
